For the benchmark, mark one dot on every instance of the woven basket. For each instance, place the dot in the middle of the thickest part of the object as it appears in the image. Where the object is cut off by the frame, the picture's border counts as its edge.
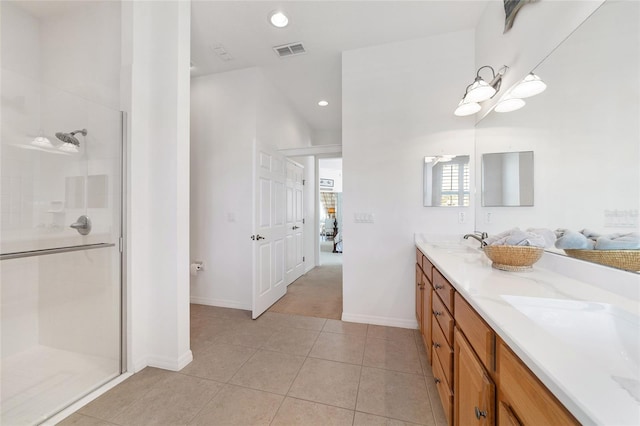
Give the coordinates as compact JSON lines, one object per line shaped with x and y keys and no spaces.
{"x":513,"y":258}
{"x":629,"y":260}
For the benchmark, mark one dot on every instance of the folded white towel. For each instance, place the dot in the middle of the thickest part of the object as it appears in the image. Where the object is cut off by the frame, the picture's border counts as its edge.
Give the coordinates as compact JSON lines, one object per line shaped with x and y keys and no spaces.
{"x":548,"y":235}
{"x":516,"y":237}
{"x":619,"y":242}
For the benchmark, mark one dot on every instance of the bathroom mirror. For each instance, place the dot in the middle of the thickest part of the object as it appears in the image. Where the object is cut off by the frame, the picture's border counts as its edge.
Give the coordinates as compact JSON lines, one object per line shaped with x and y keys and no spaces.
{"x":446,"y":181}
{"x":584,"y":129}
{"x":507,"y":179}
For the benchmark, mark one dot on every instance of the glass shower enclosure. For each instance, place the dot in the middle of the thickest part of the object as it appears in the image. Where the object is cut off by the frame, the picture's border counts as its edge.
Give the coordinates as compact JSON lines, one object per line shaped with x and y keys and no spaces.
{"x":61,"y":205}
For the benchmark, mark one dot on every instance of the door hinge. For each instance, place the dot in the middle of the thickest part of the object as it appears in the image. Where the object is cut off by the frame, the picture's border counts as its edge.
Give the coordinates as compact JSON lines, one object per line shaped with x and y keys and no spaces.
{"x":303,"y":221}
{"x":303,"y":181}
{"x":303,"y":258}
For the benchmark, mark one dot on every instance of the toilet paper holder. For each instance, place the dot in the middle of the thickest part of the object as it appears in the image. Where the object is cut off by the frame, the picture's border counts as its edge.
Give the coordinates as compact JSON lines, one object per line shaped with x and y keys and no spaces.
{"x":196,"y":267}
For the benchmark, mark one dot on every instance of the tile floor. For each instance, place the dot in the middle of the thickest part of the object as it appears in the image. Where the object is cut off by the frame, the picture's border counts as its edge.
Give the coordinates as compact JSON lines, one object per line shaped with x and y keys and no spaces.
{"x":279,"y":370}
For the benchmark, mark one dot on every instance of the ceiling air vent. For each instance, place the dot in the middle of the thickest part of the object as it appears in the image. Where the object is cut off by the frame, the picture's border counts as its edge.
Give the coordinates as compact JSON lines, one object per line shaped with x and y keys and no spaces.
{"x":290,"y":49}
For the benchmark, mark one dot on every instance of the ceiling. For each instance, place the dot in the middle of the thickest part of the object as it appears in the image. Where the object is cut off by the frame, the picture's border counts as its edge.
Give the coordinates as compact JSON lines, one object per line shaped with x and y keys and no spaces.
{"x":326,"y":28}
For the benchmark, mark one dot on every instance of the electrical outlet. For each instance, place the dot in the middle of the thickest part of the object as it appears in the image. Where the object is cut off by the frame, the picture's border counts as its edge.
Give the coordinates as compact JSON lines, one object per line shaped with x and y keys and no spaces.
{"x":461,"y":217}
{"x":487,"y":217}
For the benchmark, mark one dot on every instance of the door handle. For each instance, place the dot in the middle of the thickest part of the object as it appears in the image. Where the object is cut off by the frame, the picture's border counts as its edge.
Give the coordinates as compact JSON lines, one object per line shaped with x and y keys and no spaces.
{"x":259,"y":237}
{"x":295,"y":227}
{"x":82,"y":225}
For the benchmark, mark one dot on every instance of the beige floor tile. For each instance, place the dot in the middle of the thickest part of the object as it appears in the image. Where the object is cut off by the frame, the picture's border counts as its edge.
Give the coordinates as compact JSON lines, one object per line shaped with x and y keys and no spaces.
{"x":436,"y":405}
{"x":216,"y":311}
{"x":246,"y":334}
{"x":364,"y":419}
{"x":337,"y":326}
{"x":274,"y":320}
{"x":397,"y":355}
{"x":305,"y":413}
{"x":327,"y":382}
{"x":424,"y":361}
{"x":293,"y":341}
{"x":206,"y":328}
{"x":390,"y":333}
{"x":173,"y":401}
{"x":118,"y":399}
{"x":307,"y":323}
{"x":339,"y":347}
{"x":235,"y":406}
{"x":218,"y":361}
{"x":269,"y":371}
{"x":395,"y":395}
{"x":81,"y":420}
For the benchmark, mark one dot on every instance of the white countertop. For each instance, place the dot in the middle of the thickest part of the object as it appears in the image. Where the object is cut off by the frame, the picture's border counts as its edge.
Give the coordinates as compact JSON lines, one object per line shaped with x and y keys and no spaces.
{"x":579,"y":338}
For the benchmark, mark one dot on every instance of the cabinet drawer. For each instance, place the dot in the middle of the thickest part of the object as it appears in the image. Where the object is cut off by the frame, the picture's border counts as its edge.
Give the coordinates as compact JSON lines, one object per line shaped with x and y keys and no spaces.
{"x":443,"y":289}
{"x":427,"y":267}
{"x":444,"y":390}
{"x":477,"y":332}
{"x":527,"y":399}
{"x":419,"y":256}
{"x":427,"y":319}
{"x":440,"y":348}
{"x":443,"y":317}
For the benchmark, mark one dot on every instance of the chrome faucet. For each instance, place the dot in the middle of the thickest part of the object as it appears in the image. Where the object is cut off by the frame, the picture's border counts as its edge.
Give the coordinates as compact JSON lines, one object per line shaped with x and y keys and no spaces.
{"x":480,"y":236}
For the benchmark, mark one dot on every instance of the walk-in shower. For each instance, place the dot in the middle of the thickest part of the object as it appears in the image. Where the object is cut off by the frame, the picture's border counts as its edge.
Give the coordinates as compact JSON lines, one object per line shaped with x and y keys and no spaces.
{"x":60,"y":272}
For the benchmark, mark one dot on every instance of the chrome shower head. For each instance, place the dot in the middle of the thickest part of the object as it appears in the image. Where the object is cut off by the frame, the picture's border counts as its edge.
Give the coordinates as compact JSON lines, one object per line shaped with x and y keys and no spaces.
{"x":70,"y":137}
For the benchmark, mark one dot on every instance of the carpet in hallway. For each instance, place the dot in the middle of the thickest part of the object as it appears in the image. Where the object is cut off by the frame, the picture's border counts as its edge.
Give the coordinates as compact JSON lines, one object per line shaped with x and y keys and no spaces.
{"x":318,"y":293}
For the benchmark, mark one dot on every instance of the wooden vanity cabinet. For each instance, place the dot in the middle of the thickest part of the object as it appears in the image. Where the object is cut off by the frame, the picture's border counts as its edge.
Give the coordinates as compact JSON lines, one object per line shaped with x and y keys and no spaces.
{"x":427,"y":318}
{"x":522,"y":398}
{"x":474,"y":401}
{"x":419,"y":289}
{"x":424,"y":291}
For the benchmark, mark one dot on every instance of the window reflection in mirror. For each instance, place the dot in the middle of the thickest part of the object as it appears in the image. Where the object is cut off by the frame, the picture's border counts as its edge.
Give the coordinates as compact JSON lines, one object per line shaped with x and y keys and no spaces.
{"x":446,"y":181}
{"x":507,"y":179}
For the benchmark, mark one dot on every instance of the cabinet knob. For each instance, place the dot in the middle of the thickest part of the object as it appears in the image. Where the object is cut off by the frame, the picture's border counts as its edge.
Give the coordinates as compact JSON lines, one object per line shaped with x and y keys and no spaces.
{"x":436,"y":313}
{"x":480,"y":413}
{"x":436,"y":345}
{"x":439,"y":287}
{"x":435,"y":379}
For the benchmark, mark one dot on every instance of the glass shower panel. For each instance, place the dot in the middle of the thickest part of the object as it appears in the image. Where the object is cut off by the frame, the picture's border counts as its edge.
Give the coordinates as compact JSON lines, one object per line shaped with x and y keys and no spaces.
{"x":60,"y":169}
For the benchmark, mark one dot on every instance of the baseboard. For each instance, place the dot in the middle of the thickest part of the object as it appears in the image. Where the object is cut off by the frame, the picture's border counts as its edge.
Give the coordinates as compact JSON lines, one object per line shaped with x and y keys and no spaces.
{"x":171,"y":364}
{"x":220,"y":303}
{"x":375,"y":320}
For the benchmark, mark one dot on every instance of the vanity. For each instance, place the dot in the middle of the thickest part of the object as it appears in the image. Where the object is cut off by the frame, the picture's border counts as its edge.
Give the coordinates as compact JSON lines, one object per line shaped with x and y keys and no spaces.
{"x":529,"y":348}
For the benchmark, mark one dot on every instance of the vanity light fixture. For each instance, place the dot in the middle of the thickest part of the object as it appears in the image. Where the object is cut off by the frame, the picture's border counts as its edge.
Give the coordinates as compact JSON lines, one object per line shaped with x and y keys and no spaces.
{"x":531,"y":85}
{"x":480,"y":91}
{"x":509,"y":104}
{"x":323,"y":103}
{"x":278,"y":19}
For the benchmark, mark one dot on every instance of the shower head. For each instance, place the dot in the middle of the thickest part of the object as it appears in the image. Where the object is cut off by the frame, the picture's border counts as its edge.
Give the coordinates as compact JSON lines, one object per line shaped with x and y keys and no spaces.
{"x":70,"y":137}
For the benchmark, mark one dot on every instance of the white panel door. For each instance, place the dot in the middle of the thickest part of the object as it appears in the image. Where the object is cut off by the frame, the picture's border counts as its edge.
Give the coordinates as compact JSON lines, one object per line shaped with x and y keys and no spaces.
{"x":294,"y":226}
{"x":269,"y":239}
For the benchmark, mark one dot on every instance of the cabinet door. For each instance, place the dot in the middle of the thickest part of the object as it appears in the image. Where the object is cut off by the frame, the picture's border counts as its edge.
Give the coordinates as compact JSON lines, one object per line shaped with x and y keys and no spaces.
{"x":506,"y":417}
{"x":419,"y":288}
{"x":474,"y":397}
{"x":427,"y":293}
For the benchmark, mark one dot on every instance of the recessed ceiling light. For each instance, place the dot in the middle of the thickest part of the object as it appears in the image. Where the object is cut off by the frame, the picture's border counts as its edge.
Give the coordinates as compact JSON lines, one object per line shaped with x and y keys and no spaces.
{"x":323,"y":103}
{"x":278,"y":19}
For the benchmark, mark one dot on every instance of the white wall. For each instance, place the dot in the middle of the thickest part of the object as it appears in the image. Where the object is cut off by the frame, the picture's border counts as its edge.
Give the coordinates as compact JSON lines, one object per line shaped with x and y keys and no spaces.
{"x":538,"y":28}
{"x":156,"y":53}
{"x":232,"y":113}
{"x":397,"y":108}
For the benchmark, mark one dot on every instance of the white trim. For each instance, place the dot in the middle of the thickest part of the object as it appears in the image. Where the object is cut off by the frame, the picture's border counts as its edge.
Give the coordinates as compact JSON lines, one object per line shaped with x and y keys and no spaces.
{"x":312,"y":150}
{"x":390,"y":322}
{"x":221,"y":303}
{"x":171,"y":364}
{"x":87,"y":399}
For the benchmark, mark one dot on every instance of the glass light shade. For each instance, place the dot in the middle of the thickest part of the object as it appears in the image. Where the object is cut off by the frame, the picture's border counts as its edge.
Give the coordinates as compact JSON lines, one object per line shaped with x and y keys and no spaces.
{"x":279,"y":19}
{"x":479,"y":91}
{"x":509,"y":105}
{"x":69,"y":147}
{"x":42,"y":142}
{"x":466,"y":108}
{"x":323,"y":103}
{"x":531,"y":85}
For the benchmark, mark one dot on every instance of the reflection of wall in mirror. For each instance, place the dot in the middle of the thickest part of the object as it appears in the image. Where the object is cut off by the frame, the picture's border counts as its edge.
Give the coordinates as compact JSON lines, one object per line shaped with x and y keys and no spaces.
{"x":585,"y":141}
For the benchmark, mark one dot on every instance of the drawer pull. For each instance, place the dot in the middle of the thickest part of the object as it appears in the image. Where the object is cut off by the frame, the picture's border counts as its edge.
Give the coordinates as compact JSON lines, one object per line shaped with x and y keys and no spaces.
{"x":439,"y":287}
{"x":438,"y":381}
{"x":436,"y":345}
{"x":480,"y":413}
{"x":437,"y":313}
